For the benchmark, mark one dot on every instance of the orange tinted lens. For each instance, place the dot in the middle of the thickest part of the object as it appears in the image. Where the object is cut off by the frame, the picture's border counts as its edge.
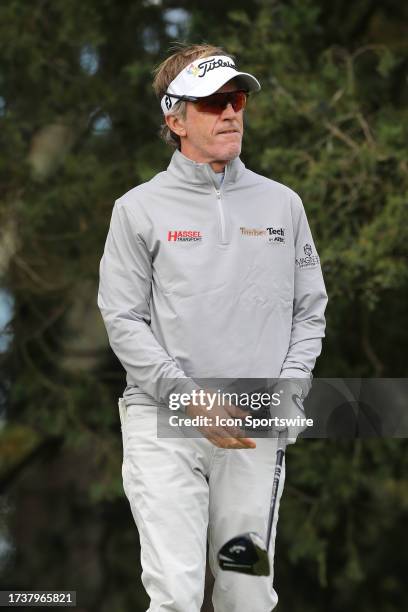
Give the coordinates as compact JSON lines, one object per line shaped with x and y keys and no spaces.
{"x":239,"y":100}
{"x":216,"y":103}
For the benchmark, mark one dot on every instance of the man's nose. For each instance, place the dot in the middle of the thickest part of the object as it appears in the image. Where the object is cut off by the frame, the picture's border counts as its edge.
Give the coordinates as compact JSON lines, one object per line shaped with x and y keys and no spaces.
{"x":228,"y":111}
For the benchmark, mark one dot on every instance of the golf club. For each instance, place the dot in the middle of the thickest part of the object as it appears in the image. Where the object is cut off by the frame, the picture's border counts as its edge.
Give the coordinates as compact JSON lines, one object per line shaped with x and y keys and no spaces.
{"x":247,"y":553}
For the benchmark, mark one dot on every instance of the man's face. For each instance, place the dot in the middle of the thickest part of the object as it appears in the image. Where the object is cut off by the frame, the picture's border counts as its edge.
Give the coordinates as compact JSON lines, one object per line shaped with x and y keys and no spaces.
{"x":211,"y":138}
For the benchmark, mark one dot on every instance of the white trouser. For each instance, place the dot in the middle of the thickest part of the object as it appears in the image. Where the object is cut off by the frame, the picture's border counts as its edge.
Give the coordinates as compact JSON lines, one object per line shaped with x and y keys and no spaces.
{"x":179,"y":487}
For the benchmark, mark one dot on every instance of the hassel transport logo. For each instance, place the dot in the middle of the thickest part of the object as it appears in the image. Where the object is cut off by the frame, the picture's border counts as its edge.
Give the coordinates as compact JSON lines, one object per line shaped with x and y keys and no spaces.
{"x":184,"y":236}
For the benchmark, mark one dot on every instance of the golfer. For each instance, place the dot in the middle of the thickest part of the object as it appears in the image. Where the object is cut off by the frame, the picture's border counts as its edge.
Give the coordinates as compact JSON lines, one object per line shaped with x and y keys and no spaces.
{"x":209,"y":271}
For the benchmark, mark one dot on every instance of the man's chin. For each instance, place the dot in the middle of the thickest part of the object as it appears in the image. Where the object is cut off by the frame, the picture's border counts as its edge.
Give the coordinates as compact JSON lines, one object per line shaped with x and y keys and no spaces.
{"x":229,"y":153}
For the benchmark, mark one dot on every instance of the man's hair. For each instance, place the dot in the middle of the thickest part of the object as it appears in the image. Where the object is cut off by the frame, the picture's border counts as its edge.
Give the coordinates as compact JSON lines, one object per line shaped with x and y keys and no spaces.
{"x":167,"y":71}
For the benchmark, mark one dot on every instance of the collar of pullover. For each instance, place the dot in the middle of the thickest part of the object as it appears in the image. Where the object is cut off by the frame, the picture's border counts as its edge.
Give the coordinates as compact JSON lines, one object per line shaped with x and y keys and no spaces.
{"x":196,"y":173}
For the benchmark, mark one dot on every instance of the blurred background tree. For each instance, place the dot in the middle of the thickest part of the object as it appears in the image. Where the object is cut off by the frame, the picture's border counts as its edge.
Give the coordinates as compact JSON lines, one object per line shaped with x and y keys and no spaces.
{"x":79,"y":126}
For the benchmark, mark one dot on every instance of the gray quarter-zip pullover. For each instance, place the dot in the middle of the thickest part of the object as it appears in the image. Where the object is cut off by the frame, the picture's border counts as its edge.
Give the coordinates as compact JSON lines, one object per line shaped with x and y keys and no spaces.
{"x":205,"y":280}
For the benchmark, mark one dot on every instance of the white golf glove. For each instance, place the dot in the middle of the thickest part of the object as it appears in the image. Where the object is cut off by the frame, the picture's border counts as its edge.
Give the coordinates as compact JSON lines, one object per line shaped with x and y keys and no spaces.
{"x":290,"y":408}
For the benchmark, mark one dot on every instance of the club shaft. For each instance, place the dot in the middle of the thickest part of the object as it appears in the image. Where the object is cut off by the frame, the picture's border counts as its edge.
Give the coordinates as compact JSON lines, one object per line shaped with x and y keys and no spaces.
{"x":280,"y":453}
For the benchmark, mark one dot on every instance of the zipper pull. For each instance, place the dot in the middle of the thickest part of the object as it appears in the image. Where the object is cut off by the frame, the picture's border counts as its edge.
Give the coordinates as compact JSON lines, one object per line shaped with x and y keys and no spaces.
{"x":218,"y":192}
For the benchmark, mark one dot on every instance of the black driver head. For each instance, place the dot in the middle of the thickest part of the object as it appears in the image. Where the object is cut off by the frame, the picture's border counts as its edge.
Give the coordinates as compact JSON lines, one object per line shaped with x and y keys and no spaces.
{"x":245,"y":554}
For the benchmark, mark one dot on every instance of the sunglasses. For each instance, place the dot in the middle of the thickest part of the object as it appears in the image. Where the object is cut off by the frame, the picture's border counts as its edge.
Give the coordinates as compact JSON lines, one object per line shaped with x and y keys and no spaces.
{"x":217,"y":102}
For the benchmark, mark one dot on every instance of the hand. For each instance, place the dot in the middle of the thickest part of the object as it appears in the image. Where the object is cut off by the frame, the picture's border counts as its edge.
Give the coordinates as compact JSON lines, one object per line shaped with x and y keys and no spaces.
{"x":226,"y":436}
{"x":290,"y":408}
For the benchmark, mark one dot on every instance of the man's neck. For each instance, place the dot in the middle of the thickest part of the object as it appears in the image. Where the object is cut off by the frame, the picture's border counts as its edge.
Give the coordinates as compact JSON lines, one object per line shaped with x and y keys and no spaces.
{"x":218,"y":166}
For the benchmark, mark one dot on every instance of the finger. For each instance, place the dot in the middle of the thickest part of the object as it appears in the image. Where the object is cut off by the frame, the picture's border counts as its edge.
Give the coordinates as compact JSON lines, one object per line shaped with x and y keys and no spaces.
{"x":248,"y":442}
{"x":223,"y":439}
{"x":238,"y":443}
{"x":231,"y":443}
{"x":226,"y":439}
{"x":226,"y":443}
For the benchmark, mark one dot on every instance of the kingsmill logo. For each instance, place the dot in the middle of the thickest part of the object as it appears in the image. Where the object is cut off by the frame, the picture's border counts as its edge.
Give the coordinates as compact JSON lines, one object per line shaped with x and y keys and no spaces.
{"x":310,"y":261}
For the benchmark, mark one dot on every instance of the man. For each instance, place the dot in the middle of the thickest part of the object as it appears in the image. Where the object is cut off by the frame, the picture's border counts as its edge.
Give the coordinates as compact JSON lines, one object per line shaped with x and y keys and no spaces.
{"x":209,"y":270}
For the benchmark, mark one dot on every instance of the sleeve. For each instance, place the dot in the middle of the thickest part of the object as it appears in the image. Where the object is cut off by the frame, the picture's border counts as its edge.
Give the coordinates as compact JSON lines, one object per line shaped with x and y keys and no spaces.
{"x":309,"y":304}
{"x":125,"y":275}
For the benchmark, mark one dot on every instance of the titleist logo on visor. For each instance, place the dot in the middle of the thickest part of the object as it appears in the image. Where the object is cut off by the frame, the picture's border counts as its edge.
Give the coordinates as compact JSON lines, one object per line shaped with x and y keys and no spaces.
{"x":208,"y":65}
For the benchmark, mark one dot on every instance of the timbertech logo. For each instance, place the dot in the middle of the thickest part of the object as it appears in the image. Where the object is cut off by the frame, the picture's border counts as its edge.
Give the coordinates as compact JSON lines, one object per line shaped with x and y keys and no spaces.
{"x":275,"y":235}
{"x":245,"y":231}
{"x":184,"y":236}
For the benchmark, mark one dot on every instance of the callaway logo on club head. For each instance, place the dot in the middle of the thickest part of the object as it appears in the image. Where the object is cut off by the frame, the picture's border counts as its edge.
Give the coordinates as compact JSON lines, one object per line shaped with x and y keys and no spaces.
{"x":236,"y":548}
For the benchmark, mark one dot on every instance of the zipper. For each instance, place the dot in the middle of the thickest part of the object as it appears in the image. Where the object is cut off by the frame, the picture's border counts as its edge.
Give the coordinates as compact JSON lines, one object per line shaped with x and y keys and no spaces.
{"x":221,"y":216}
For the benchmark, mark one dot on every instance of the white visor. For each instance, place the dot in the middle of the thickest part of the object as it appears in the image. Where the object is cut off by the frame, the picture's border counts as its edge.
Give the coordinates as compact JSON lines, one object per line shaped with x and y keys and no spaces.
{"x":203,"y":77}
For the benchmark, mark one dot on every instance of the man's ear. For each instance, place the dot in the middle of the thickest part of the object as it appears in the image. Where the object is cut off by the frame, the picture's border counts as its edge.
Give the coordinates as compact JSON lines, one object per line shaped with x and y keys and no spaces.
{"x":176,"y":125}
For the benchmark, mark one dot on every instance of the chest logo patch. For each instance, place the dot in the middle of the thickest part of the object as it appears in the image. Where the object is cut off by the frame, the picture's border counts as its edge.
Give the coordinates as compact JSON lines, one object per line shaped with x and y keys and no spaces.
{"x":184,"y":236}
{"x":273,"y":235}
{"x":310,"y":260}
{"x":276,"y":235}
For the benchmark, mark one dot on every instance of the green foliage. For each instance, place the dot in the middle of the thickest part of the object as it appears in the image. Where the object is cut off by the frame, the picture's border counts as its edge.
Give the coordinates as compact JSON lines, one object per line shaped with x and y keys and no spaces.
{"x":342,"y":512}
{"x":329,"y":126}
{"x":17,"y":442}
